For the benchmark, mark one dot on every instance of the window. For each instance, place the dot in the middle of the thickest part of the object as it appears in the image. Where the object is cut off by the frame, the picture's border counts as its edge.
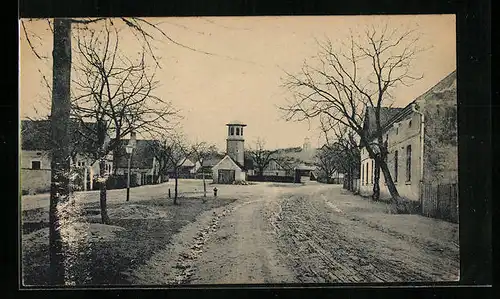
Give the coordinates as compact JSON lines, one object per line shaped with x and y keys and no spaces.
{"x":36,"y":164}
{"x":362,"y":174}
{"x":408,"y":163}
{"x":366,"y":177}
{"x":241,"y":131}
{"x":395,"y":166}
{"x":232,"y":131}
{"x":237,"y":131}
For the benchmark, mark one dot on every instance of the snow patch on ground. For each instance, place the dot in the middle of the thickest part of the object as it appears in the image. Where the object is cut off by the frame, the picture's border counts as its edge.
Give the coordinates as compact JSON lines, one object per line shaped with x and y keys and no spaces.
{"x":96,"y":232}
{"x":135,"y":211}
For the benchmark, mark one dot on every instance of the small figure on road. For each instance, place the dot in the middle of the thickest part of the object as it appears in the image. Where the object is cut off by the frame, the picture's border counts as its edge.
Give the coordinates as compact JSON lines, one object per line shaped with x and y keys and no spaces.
{"x":215,"y":192}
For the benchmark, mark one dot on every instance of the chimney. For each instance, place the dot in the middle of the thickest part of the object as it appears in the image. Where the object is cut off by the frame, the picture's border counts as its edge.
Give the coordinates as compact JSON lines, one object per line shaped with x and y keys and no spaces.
{"x":133,"y":139}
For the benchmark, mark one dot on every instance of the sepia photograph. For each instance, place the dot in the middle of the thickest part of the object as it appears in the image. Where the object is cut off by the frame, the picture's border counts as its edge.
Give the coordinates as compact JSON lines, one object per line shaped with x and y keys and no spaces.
{"x":183,"y":151}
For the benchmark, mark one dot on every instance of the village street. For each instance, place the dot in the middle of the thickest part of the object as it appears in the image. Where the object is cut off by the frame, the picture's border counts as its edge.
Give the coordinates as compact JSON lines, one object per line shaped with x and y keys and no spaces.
{"x":287,"y":233}
{"x":279,"y":233}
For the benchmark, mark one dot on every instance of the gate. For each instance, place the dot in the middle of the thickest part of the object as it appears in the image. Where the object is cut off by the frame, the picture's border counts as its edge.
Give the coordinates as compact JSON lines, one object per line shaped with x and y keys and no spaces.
{"x":226,"y":176}
{"x":440,"y":201}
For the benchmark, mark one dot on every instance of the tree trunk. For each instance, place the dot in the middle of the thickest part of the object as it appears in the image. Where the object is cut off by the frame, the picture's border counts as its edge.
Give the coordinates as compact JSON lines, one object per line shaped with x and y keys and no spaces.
{"x":387,"y":174}
{"x":204,"y":186}
{"x":175,"y":189}
{"x":376,"y":181}
{"x":60,"y":112}
{"x":390,"y":183}
{"x":103,"y":191}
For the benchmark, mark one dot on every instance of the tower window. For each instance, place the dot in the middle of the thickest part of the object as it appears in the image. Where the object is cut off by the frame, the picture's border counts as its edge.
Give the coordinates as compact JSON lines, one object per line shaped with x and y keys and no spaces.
{"x":237,"y":131}
{"x":232,"y":131}
{"x":241,"y":132}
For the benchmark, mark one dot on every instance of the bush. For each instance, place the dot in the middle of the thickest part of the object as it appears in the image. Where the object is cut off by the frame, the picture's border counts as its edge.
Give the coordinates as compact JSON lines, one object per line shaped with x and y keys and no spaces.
{"x":120,"y":181}
{"x":404,"y":206}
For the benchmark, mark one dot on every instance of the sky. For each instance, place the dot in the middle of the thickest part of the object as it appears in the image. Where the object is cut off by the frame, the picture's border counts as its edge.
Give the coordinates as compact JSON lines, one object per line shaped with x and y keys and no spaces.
{"x":242,"y":80}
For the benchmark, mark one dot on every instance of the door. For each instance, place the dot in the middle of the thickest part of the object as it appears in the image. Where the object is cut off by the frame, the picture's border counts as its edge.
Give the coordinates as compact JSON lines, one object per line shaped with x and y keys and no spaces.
{"x":226,"y":176}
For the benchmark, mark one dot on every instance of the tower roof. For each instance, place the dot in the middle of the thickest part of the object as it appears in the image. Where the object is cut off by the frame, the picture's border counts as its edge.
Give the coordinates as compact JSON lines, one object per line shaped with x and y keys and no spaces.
{"x":235,"y":123}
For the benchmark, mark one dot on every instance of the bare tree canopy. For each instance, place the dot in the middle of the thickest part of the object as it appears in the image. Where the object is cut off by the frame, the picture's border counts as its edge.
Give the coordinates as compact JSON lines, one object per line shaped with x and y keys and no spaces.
{"x":116,"y":91}
{"x":261,"y":156}
{"x":201,"y":151}
{"x":171,"y":151}
{"x":348,"y":77}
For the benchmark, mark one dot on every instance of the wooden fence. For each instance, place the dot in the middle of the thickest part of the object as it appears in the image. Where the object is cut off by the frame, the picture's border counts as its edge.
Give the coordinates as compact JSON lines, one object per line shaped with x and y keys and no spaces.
{"x":270,"y":178}
{"x":440,"y":201}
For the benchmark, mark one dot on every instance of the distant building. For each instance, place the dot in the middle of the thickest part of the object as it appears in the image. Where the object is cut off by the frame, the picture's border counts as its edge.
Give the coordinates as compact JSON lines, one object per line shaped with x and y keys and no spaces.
{"x":35,"y":167}
{"x":422,"y":145}
{"x":231,"y":168}
{"x":143,"y":165}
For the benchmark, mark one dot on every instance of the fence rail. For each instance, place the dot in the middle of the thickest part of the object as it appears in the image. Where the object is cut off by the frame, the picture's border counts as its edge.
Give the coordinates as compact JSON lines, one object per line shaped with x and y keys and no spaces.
{"x":440,"y":201}
{"x":270,"y":178}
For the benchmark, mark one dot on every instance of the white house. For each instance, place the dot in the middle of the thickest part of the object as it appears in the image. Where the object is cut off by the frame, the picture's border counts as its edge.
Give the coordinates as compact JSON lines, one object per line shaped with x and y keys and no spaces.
{"x":35,"y":160}
{"x":228,"y":171}
{"x":422,"y":145}
{"x":231,"y":167}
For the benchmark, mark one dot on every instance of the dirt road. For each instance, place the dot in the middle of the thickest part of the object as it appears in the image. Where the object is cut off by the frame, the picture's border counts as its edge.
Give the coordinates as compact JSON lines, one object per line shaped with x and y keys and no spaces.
{"x":278,"y":233}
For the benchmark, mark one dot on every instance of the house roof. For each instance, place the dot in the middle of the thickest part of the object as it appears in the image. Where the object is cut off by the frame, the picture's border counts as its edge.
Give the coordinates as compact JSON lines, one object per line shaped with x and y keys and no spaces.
{"x":213,"y":160}
{"x":230,"y":159}
{"x":235,"y":122}
{"x":36,"y":134}
{"x":187,"y":163}
{"x":142,"y":156}
{"x":386,"y":114}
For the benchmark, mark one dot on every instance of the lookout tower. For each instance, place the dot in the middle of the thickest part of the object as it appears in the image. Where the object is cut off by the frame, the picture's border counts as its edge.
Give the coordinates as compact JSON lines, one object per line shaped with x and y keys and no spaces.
{"x":235,"y":141}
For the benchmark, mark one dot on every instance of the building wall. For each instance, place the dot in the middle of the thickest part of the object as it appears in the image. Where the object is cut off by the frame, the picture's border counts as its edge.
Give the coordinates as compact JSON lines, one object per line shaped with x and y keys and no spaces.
{"x":28,"y":156}
{"x":236,"y":150}
{"x":440,"y":138}
{"x":227,"y":164}
{"x":405,"y":133}
{"x":35,"y":180}
{"x":32,"y":179}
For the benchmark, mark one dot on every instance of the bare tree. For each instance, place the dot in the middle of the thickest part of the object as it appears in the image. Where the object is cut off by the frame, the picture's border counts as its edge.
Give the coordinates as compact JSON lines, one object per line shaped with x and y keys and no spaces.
{"x":60,"y":114}
{"x":327,"y":161}
{"x":172,"y":151}
{"x":261,"y":156}
{"x":117,"y":93}
{"x":201,"y":151}
{"x":345,"y":142}
{"x":351,"y":77}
